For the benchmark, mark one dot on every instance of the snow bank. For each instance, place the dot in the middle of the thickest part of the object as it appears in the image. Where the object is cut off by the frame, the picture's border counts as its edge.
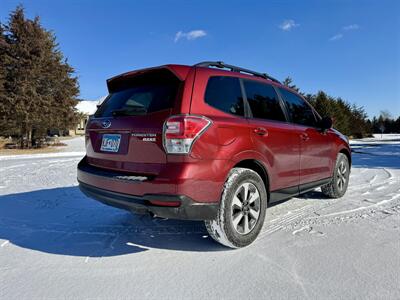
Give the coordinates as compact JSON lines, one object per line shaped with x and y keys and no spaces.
{"x":87,"y":107}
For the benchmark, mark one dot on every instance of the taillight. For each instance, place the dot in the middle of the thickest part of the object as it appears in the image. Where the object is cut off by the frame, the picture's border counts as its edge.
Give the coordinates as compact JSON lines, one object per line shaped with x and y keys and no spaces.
{"x":180,"y":132}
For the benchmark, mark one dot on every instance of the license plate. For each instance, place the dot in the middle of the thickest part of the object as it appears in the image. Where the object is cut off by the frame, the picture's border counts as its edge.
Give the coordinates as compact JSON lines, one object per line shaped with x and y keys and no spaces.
{"x":110,"y":142}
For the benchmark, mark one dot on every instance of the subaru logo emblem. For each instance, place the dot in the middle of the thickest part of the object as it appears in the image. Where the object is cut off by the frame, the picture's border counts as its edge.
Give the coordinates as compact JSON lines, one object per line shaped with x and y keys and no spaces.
{"x":106,"y":124}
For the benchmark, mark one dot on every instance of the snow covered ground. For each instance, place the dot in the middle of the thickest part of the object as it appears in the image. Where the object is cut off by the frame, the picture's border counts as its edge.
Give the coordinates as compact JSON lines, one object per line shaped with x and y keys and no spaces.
{"x":56,"y":243}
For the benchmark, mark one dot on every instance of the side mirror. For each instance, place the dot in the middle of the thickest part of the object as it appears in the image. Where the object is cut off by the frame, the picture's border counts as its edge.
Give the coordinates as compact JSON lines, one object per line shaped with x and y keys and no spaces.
{"x":326,"y":123}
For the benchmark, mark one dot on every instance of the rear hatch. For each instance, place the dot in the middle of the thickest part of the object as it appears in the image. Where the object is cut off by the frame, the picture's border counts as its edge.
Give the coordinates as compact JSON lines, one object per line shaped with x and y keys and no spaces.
{"x":125,"y":133}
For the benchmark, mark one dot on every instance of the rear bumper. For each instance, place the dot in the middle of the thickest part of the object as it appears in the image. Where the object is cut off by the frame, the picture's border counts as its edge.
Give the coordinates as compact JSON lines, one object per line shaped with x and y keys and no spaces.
{"x":187,"y":209}
{"x":136,"y":195}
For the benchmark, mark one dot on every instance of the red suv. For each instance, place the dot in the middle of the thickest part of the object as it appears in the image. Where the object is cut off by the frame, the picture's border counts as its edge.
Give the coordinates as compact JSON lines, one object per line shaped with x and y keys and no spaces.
{"x":211,"y":142}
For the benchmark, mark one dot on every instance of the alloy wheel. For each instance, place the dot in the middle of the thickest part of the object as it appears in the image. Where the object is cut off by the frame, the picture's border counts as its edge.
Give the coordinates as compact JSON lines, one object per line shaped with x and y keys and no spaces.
{"x":341,"y":176}
{"x":245,"y":208}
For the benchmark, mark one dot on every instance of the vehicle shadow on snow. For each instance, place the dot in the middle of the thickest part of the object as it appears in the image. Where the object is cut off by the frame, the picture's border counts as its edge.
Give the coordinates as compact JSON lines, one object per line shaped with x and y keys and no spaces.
{"x":64,"y":221}
{"x":314,"y":195}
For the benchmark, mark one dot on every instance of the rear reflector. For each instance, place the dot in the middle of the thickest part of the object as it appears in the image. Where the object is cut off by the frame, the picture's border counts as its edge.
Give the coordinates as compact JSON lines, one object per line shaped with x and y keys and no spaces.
{"x":165,"y":203}
{"x":180,"y":132}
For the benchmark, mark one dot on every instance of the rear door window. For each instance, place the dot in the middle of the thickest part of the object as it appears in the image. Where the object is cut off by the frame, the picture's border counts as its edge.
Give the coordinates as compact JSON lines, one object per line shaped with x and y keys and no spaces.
{"x":300,"y":112}
{"x":140,"y":95}
{"x":224,"y":93}
{"x":263,"y":101}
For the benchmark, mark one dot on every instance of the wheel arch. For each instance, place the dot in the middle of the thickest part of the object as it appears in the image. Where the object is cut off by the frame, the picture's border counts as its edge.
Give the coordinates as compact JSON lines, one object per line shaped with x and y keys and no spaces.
{"x":347,"y":153}
{"x":257,"y":167}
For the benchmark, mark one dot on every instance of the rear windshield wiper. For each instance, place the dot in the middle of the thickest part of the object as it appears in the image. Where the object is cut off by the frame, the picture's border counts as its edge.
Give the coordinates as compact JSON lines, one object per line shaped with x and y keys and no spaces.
{"x":130,"y":111}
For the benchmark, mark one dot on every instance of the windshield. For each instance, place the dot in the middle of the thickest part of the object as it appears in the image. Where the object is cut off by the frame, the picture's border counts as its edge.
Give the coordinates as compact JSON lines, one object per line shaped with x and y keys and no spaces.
{"x":141,"y":95}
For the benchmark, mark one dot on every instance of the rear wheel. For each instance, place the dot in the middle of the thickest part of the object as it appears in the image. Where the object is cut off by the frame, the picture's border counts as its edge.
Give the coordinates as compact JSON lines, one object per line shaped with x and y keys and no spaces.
{"x":242,"y":210}
{"x":337,"y":187}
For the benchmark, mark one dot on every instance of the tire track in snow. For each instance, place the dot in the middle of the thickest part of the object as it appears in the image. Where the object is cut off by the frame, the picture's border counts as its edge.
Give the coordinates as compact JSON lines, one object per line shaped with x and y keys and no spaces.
{"x":357,"y":209}
{"x":281,"y":222}
{"x":4,"y":243}
{"x":386,"y":207}
{"x":39,"y":174}
{"x":370,"y":184}
{"x":302,"y":219}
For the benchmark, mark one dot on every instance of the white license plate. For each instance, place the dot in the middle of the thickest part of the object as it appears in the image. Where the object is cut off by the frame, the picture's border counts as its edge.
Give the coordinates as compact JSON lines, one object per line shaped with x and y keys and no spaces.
{"x":110,"y":142}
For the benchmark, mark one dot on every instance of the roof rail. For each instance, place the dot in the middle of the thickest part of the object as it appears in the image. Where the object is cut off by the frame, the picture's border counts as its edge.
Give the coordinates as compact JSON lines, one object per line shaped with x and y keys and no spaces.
{"x":222,"y":65}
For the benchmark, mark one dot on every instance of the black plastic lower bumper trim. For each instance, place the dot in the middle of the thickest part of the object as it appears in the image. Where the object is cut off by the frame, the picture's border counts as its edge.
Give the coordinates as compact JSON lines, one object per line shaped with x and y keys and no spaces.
{"x":187,"y":210}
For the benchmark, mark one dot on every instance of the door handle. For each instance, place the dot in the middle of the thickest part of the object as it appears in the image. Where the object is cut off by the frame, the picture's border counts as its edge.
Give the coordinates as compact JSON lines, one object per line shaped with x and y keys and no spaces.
{"x":260,"y":131}
{"x":304,"y":136}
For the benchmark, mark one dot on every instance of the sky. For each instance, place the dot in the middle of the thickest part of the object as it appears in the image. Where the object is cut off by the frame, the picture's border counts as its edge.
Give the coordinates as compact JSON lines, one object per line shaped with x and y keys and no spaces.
{"x":349,"y":49}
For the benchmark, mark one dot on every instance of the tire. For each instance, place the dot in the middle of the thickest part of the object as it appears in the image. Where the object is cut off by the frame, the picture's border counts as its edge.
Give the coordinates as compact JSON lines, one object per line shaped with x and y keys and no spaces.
{"x":337,"y":187}
{"x":240,"y":218}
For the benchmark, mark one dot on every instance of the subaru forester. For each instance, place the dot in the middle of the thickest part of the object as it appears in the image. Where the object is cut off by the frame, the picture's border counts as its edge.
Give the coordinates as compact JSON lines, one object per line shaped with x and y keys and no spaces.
{"x":211,"y":142}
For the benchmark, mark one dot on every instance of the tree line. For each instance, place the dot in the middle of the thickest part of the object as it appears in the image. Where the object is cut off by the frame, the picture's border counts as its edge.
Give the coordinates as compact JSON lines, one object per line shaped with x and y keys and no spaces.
{"x":350,"y":119}
{"x":385,"y":123}
{"x":38,"y":88}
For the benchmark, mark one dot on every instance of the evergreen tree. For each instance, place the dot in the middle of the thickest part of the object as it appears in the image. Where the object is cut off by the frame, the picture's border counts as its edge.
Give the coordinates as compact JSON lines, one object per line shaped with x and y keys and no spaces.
{"x":5,"y":108}
{"x":39,"y":89}
{"x":397,"y":125}
{"x":358,"y":121}
{"x":288,"y":82}
{"x":385,"y":123}
{"x":350,"y":120}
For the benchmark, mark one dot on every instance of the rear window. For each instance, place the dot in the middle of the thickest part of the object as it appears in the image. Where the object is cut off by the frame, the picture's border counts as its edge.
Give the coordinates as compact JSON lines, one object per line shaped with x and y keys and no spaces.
{"x":224,"y":93}
{"x":263,"y":101}
{"x":140,"y":95}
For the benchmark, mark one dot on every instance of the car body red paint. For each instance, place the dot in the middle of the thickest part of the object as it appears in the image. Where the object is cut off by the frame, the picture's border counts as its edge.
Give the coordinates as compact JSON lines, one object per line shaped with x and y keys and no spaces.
{"x":287,"y":155}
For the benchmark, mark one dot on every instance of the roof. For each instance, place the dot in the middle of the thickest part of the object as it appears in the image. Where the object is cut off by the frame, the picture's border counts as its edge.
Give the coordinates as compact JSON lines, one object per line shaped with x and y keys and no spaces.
{"x":181,"y":71}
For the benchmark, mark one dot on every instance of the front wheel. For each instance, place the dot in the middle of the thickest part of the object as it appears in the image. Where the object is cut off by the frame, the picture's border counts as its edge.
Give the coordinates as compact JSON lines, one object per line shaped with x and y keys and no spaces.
{"x":242,"y":210}
{"x":337,"y":187}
